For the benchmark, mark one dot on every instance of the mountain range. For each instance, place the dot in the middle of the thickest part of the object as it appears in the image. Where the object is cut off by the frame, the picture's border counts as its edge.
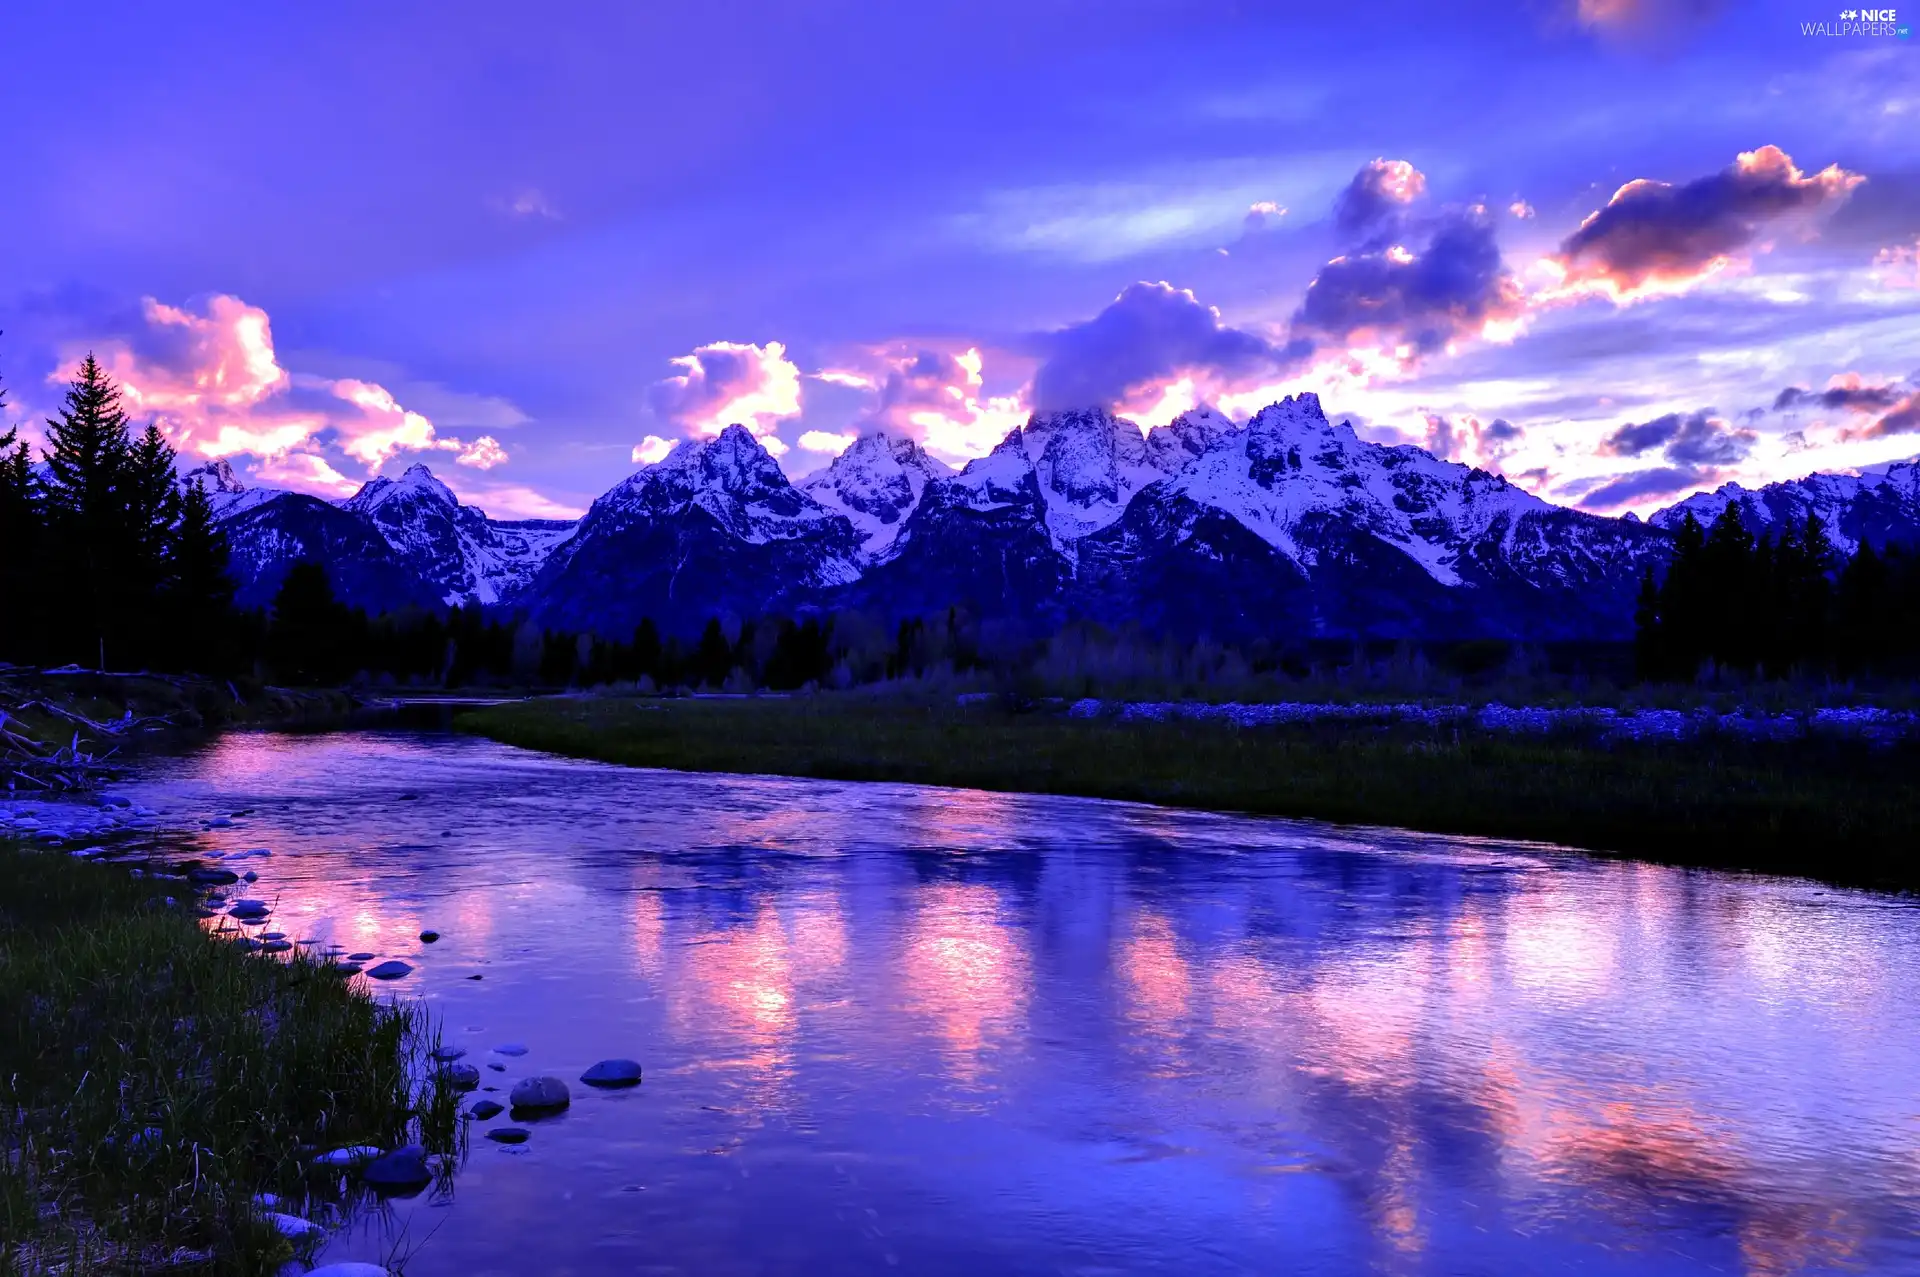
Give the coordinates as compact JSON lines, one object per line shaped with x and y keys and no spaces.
{"x":1286,"y":526}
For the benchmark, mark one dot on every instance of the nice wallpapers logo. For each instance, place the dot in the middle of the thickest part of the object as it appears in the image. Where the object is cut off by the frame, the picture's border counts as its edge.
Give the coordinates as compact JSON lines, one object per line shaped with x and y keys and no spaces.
{"x":1870,"y":23}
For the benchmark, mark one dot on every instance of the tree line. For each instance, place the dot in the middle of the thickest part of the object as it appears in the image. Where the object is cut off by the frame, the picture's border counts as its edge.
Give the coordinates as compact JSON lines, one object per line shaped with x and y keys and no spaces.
{"x":108,"y":559}
{"x":1777,"y":606}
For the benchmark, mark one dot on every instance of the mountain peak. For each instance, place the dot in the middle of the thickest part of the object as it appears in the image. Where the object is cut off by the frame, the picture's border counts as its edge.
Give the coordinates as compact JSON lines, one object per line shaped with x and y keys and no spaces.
{"x":417,"y":483}
{"x":875,"y":484}
{"x":219,"y":477}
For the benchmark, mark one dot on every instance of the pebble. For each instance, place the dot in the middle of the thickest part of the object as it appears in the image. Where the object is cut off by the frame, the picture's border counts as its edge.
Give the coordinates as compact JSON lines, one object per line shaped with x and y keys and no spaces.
{"x":250,"y":876}
{"x":510,"y":1134}
{"x":612,"y":1074}
{"x":351,"y":1156}
{"x":540,"y":1094}
{"x":510,"y":1048}
{"x":359,"y":957}
{"x":448,"y":1054}
{"x":392,"y":970}
{"x":399,"y":1171}
{"x":273,"y":935}
{"x":496,"y":1066}
{"x":463,"y":1076}
{"x":428,"y":937}
{"x":484,"y":1109}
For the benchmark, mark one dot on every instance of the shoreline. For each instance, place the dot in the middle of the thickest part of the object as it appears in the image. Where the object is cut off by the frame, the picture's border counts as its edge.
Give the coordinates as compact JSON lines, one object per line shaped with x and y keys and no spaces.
{"x":1841,"y":810}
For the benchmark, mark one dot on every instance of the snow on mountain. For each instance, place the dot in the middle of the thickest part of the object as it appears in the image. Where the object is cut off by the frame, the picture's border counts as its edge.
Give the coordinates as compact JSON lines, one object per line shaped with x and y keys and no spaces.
{"x":713,"y":528}
{"x":1081,"y":467}
{"x":876,"y":485}
{"x":225,"y":493}
{"x":464,"y":555}
{"x":1188,"y":435}
{"x":1290,"y":463}
{"x":1878,"y":507}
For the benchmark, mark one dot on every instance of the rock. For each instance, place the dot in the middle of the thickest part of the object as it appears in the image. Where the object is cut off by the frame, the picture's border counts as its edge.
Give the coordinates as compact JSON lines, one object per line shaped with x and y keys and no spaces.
{"x":613,"y":1074}
{"x":273,"y":935}
{"x":210,"y":877}
{"x":496,"y":1066}
{"x":463,"y":1076}
{"x":291,"y":1225}
{"x":250,"y":876}
{"x":393,"y":970}
{"x":268,"y":1201}
{"x":349,"y":1270}
{"x":275,"y":946}
{"x":359,"y":957}
{"x":344,"y":968}
{"x":510,"y":1134}
{"x":428,"y":937}
{"x":540,"y":1095}
{"x":219,"y":822}
{"x":448,"y":1054}
{"x":476,"y":977}
{"x":510,"y":1048}
{"x":403,"y":1170}
{"x":484,"y":1109}
{"x":352,"y":1156}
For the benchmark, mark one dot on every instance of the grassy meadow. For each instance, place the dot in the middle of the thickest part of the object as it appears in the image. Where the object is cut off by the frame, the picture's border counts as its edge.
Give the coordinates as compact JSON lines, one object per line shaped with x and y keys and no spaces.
{"x":1835,"y":809}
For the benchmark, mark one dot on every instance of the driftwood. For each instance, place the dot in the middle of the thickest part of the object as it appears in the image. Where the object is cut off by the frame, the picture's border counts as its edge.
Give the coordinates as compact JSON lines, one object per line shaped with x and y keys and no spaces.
{"x":25,"y":761}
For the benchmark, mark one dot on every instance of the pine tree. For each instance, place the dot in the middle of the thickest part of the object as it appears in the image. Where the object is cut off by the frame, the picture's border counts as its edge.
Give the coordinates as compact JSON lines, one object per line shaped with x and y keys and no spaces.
{"x":1728,"y":591}
{"x":199,"y":598}
{"x":1683,"y":623}
{"x":713,"y":658}
{"x":153,"y":513}
{"x":646,"y":651}
{"x":86,"y":517}
{"x":21,"y":545}
{"x":1649,"y":654}
{"x":310,"y":629}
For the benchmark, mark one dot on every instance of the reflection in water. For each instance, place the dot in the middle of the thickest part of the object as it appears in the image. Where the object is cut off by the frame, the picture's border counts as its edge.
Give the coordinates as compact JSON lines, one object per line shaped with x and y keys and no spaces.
{"x":895,"y":1028}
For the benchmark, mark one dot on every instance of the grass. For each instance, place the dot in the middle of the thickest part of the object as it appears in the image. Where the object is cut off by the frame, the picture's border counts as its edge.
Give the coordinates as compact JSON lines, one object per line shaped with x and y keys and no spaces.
{"x":1837,"y":810}
{"x":154,"y":1079}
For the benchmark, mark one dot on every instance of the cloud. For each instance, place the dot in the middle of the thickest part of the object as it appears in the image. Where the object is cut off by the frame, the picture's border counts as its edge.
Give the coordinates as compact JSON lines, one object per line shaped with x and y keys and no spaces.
{"x":940,"y":400}
{"x":651,"y":450}
{"x":1414,"y":302}
{"x":483,"y":453}
{"x":511,"y":500}
{"x":1264,"y":215}
{"x":1151,"y":334}
{"x":827,"y":441}
{"x":1640,"y":484}
{"x":1688,"y":439}
{"x":1372,"y":201}
{"x":1848,"y":392}
{"x":1647,"y":24}
{"x":1654,"y":238}
{"x":1467,"y":439}
{"x":1521,"y":209}
{"x":527,"y":202}
{"x":727,"y":383}
{"x":1898,"y":266}
{"x":211,"y":380}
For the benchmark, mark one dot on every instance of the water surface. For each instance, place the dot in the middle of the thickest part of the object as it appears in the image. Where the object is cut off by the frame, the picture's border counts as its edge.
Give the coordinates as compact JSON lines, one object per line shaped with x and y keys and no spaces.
{"x":899,"y":1029}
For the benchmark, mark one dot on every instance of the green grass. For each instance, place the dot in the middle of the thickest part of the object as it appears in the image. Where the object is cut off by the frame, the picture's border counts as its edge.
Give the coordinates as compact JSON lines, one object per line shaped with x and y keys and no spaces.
{"x":1835,"y":810}
{"x":153,"y":1078}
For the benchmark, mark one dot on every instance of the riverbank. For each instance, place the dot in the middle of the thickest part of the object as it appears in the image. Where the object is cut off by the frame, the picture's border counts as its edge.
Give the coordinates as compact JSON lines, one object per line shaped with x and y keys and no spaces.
{"x":59,"y":728}
{"x":155,"y":1079}
{"x":1837,"y":808}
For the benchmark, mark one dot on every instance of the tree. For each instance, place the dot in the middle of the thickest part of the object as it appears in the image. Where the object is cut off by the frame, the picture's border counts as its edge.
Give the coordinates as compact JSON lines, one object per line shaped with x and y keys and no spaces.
{"x":1649,"y":652}
{"x":152,"y":495}
{"x":310,"y":634}
{"x":20,"y":548}
{"x":713,"y":658}
{"x":199,"y":589}
{"x":87,"y":464}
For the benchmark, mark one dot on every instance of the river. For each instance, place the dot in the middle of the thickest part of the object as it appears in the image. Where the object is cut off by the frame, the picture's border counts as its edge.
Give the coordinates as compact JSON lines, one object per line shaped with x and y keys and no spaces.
{"x":898,"y":1029}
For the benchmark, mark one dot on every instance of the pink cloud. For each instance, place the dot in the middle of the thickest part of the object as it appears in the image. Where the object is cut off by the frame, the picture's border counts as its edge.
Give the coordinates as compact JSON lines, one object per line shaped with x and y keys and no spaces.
{"x":1898,"y":266}
{"x":483,"y":453}
{"x":1654,"y":239}
{"x":940,"y":399}
{"x":652,"y":449}
{"x":213,"y":383}
{"x":827,"y":441}
{"x":726,"y":383}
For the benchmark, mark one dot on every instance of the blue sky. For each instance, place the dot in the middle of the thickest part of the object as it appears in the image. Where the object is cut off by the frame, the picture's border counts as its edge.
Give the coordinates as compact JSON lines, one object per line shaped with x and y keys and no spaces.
{"x":325,"y":241}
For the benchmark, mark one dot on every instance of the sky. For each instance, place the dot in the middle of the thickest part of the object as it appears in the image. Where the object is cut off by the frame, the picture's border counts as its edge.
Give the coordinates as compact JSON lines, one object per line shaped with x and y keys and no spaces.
{"x":1617,"y":250}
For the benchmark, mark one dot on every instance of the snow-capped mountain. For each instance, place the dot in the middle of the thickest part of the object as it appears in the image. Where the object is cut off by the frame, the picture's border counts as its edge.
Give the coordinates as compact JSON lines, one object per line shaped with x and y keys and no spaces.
{"x":395,"y":543}
{"x":227,"y":495}
{"x":1356,"y":536}
{"x":875,"y":484}
{"x":715,"y":527}
{"x":1288,"y":526}
{"x":464,"y":555}
{"x":1878,"y":507}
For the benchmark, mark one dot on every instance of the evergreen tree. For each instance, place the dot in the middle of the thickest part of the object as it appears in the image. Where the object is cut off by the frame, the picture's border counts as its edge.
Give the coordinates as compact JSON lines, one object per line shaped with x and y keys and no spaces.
{"x":152,"y":494}
{"x":1649,"y":653}
{"x":713,"y":658}
{"x":646,"y":651}
{"x":199,"y":598}
{"x":310,"y":634}
{"x":20,"y":548}
{"x":86,"y":517}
